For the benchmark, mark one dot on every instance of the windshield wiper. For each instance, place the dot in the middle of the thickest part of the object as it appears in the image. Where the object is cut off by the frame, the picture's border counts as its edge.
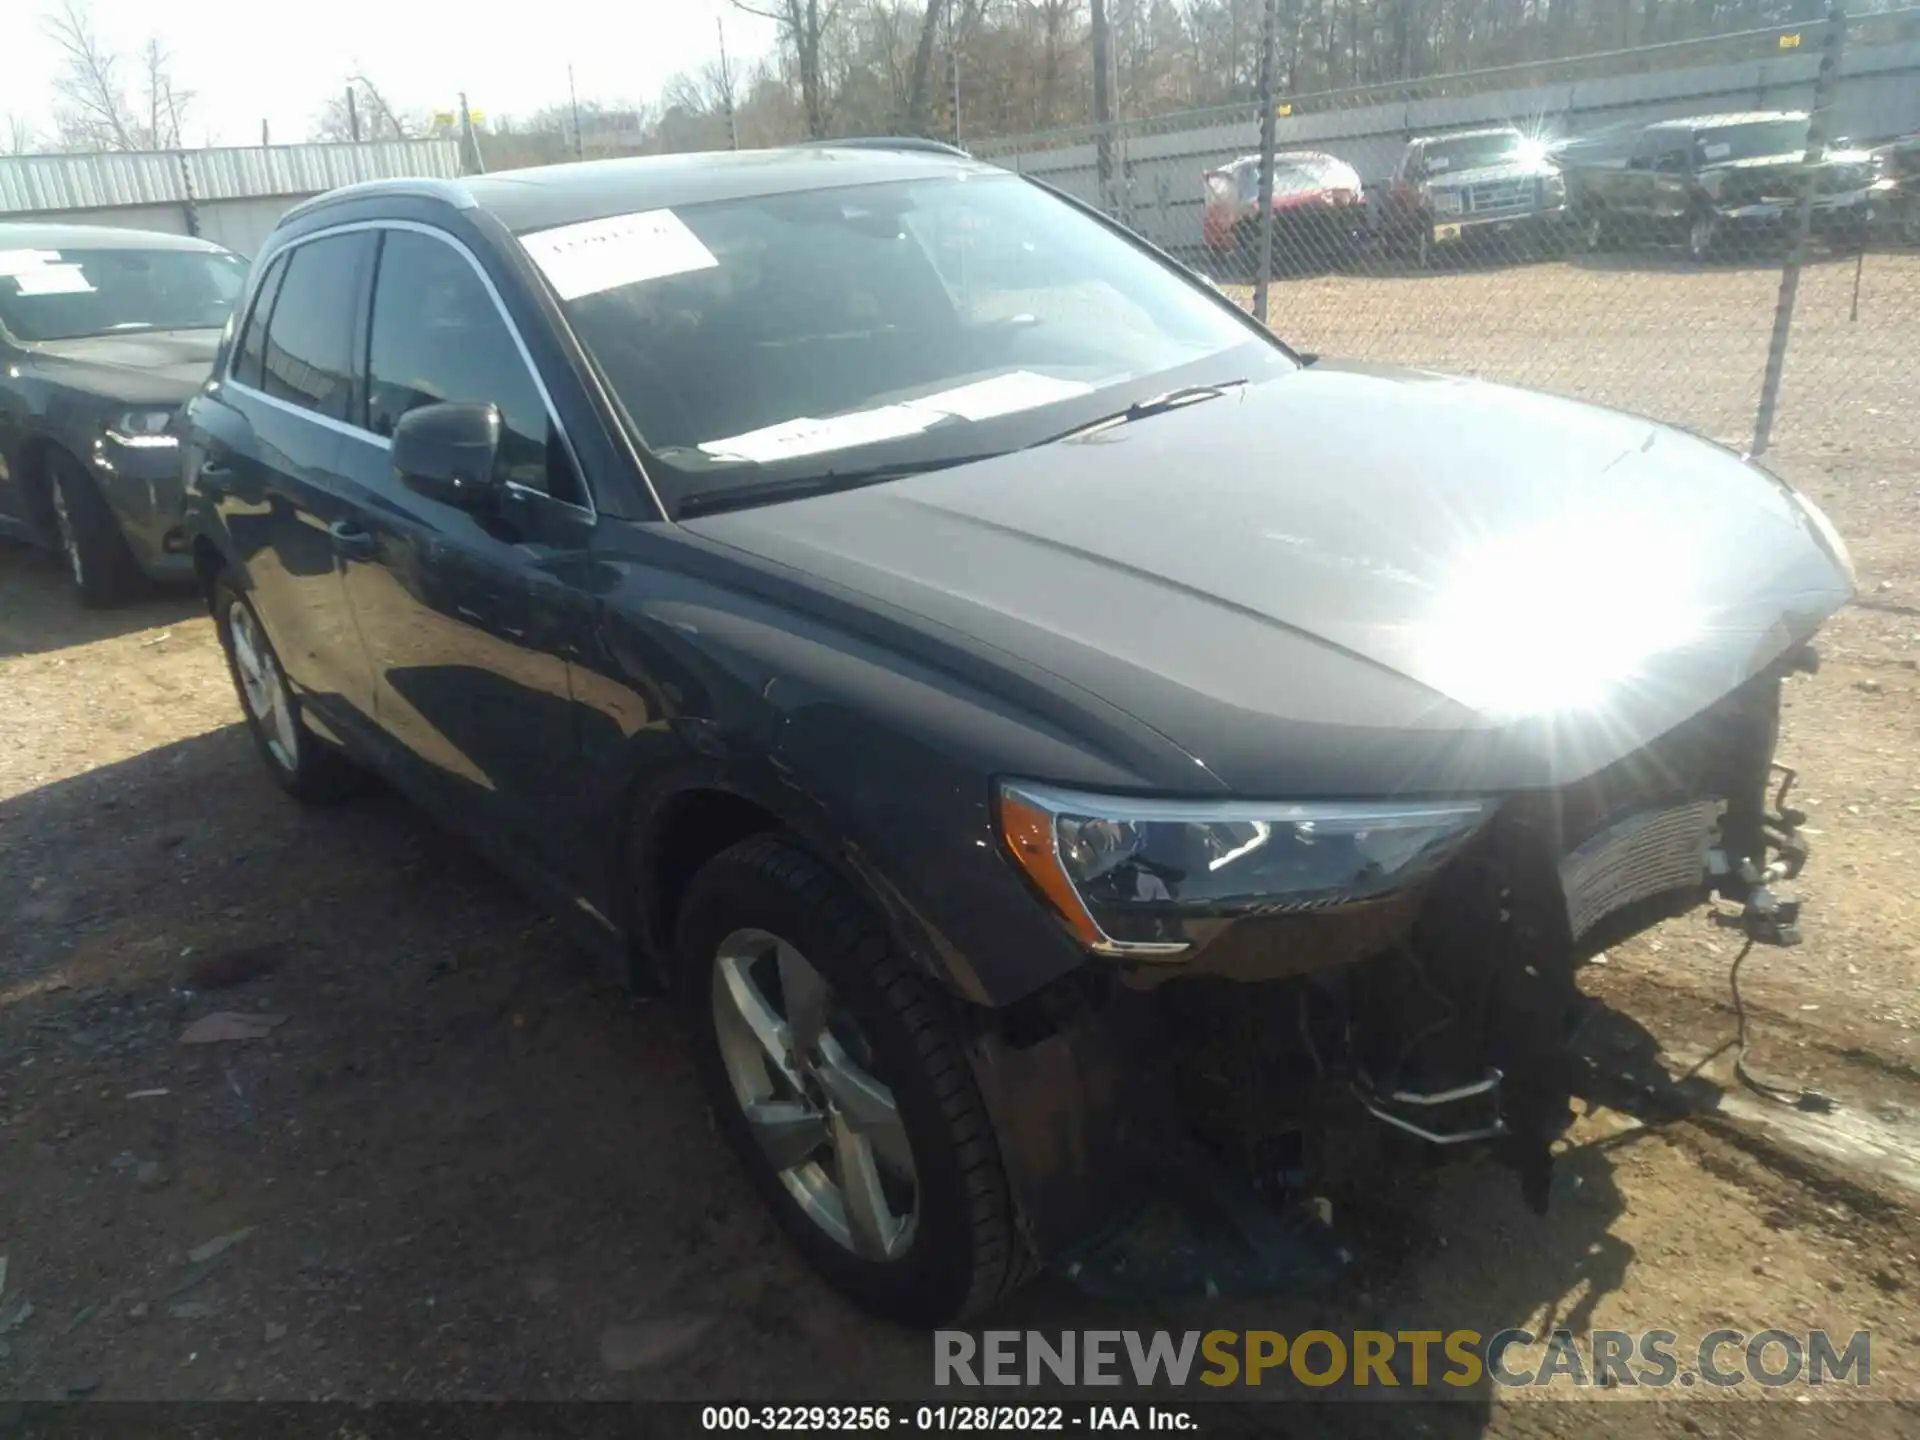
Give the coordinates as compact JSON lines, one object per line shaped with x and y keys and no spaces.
{"x":741,"y":497}
{"x":1153,"y":405}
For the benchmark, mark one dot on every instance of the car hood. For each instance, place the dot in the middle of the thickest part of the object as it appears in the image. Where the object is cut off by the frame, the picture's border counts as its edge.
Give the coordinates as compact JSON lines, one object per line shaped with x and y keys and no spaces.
{"x":1349,"y":579}
{"x":141,"y":367}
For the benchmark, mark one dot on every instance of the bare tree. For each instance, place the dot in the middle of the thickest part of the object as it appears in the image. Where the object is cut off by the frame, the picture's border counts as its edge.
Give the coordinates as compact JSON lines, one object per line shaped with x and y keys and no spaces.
{"x":17,"y":137}
{"x":90,"y":103}
{"x":92,"y":110}
{"x":803,"y":26}
{"x":166,"y":101}
{"x":378,"y":119}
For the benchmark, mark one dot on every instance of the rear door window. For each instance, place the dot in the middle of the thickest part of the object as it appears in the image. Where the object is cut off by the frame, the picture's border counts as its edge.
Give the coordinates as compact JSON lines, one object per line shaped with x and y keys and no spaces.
{"x":309,"y":349}
{"x":248,"y":358}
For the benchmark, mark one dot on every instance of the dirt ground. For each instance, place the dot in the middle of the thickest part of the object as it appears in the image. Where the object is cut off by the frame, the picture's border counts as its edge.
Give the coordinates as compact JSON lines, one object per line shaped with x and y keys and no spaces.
{"x":463,"y":1166}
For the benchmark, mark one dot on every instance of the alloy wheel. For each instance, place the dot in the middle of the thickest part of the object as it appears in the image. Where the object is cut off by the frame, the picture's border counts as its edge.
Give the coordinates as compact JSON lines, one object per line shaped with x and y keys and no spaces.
{"x":803,"y":1074}
{"x":262,"y":686}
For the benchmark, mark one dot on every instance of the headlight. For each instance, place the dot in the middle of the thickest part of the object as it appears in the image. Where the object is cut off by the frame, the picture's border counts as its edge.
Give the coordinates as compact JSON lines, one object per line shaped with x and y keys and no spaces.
{"x":1556,"y":185}
{"x":1835,"y":545}
{"x":1127,"y":874}
{"x":143,"y":430}
{"x":1823,"y":527}
{"x":1446,"y":202}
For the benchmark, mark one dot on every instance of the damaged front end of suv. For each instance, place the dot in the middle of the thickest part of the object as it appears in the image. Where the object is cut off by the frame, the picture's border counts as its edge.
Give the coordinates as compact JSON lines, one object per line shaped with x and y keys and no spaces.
{"x":1304,"y":970}
{"x":1291,"y":974}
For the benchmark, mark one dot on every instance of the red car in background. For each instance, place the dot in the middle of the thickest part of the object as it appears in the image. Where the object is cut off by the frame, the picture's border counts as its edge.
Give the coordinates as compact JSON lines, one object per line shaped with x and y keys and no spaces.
{"x":1319,"y":212}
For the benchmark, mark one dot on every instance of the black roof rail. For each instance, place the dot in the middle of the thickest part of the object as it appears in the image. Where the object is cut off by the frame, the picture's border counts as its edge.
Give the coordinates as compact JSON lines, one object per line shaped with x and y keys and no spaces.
{"x":883,"y":142}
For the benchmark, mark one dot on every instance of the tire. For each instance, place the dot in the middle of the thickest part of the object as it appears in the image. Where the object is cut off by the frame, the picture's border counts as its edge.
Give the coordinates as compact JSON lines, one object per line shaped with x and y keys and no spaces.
{"x":1596,"y":236}
{"x":748,"y":912}
{"x":1703,"y":237}
{"x":98,"y":559}
{"x":300,"y":762}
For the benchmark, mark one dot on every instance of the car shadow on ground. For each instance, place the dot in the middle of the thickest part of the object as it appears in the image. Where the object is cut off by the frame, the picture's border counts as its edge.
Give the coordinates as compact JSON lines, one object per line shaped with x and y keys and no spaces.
{"x":39,"y":612}
{"x":467,"y":1164}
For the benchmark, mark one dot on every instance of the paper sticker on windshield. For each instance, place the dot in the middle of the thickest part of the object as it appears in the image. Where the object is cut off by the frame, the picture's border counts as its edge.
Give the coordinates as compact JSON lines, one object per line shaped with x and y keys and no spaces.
{"x":812,"y":437}
{"x":598,"y":255}
{"x":53,"y":280}
{"x":12,"y":262}
{"x":1002,"y":395}
{"x":1719,"y":150}
{"x":1438,"y":163}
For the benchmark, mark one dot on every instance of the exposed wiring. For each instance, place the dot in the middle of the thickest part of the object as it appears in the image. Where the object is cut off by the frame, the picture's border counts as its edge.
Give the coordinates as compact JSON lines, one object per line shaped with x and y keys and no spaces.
{"x":1811,"y":1100}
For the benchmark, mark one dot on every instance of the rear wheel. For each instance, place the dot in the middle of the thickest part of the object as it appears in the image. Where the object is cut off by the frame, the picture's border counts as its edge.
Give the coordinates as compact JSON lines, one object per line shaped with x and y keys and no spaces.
{"x":836,"y":1076}
{"x":301,"y":763}
{"x":97,"y":556}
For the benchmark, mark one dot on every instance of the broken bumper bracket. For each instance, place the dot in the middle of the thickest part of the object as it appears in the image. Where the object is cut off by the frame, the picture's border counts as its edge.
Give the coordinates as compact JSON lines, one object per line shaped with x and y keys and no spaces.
{"x":1454,"y":1116}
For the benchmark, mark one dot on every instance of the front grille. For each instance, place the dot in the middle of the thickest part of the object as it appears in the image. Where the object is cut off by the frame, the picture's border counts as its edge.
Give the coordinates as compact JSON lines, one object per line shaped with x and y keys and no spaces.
{"x":1492,"y":196}
{"x":1635,"y":859}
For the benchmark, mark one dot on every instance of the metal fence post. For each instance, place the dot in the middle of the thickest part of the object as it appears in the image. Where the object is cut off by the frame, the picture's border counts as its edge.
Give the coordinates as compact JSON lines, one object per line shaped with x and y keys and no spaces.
{"x":1825,"y":82}
{"x":189,"y":206}
{"x":1263,"y":265}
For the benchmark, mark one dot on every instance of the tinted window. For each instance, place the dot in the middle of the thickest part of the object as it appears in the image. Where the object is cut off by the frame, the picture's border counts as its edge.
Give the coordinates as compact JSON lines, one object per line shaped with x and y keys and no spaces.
{"x":437,"y":335}
{"x":310,"y":338}
{"x":253,"y":346}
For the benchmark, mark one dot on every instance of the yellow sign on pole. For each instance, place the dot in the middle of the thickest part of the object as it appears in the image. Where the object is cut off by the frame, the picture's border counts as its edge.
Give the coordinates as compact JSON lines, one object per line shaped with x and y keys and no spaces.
{"x":1283,"y":108}
{"x":443,"y":117}
{"x":477,"y":116}
{"x":1790,"y":42}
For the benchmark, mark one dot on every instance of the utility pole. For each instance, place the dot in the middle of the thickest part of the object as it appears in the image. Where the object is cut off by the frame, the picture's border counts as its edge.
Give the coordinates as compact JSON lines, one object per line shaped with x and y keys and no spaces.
{"x":353,"y":116}
{"x":1263,"y":262}
{"x":265,"y":141}
{"x":1103,"y":103}
{"x":953,"y":62}
{"x":726,"y":86}
{"x":573,"y":97}
{"x":469,"y":146}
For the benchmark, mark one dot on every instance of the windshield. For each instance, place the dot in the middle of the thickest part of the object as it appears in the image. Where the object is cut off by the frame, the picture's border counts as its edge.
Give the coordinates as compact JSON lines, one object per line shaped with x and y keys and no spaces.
{"x":1750,"y":142}
{"x":66,"y":294}
{"x":816,"y":333}
{"x":1470,"y":153}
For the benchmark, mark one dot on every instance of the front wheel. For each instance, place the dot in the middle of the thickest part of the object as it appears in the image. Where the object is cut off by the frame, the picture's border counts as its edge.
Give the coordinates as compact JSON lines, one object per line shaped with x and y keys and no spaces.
{"x":98,"y":559}
{"x":836,"y":1075}
{"x":301,"y":763}
{"x":1594,"y":233}
{"x":1703,"y":234}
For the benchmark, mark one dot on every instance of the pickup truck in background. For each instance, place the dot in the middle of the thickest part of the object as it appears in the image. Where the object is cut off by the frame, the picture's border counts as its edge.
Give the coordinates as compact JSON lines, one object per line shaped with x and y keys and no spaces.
{"x":1713,"y":181}
{"x":1475,"y":185}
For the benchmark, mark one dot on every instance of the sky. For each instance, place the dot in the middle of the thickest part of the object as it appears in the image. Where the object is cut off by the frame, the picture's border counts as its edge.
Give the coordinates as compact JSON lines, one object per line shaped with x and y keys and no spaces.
{"x":509,"y":59}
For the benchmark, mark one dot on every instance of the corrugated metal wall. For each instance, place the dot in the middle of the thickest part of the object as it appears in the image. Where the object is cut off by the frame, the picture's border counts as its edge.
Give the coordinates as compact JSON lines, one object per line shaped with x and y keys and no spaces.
{"x":232,"y":197}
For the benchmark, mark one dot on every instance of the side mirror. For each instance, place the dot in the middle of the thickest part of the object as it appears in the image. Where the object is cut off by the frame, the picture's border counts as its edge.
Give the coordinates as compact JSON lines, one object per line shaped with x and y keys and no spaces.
{"x":448,"y":452}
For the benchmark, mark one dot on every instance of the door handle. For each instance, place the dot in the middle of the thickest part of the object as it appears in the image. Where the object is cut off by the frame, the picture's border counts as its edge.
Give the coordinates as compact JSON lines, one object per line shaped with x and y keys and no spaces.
{"x":351,"y":542}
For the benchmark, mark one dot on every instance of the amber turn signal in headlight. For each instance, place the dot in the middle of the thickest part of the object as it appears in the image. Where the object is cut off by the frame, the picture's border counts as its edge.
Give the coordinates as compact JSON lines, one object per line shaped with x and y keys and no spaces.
{"x":1127,"y":875}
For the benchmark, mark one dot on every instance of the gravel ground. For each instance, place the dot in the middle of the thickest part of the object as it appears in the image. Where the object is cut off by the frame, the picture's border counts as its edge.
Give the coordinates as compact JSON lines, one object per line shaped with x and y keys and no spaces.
{"x":464,"y":1167}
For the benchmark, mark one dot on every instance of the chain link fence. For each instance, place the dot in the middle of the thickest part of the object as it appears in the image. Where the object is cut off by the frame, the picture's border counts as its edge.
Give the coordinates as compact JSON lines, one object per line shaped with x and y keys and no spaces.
{"x":1719,"y":233}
